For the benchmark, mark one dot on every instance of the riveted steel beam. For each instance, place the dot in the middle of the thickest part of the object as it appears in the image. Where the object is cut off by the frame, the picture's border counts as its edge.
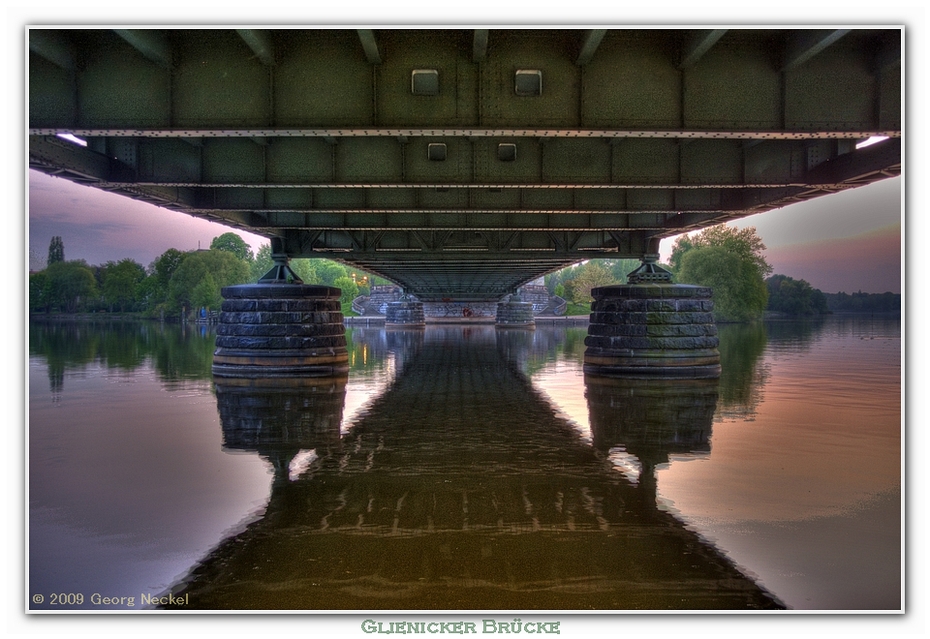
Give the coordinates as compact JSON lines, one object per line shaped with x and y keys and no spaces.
{"x":805,"y":44}
{"x":634,"y":82}
{"x":381,"y":163}
{"x":696,"y":44}
{"x":151,"y":43}
{"x":54,"y":46}
{"x":260,"y":42}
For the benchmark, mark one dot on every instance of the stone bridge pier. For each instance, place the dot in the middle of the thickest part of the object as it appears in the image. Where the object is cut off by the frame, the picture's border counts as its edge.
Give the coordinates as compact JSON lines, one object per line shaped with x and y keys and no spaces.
{"x":405,"y":313}
{"x":652,"y":328}
{"x":513,"y":312}
{"x":280,"y":330}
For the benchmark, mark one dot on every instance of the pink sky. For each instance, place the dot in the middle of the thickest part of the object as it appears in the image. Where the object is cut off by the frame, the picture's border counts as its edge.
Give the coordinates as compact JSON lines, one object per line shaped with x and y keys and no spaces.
{"x":97,"y":226}
{"x":847,"y":241}
{"x":871,"y":260}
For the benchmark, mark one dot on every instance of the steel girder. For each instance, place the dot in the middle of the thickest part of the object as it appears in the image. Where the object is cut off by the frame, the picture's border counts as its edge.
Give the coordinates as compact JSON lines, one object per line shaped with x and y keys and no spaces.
{"x":467,"y":160}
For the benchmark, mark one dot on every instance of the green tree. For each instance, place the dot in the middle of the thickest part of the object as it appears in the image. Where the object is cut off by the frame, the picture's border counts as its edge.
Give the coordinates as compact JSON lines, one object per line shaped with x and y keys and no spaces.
{"x":56,"y":251}
{"x":70,"y":285}
{"x":349,"y":288}
{"x":591,"y":275}
{"x":329,"y":271}
{"x":564,"y":278}
{"x":232,"y":243}
{"x":148,"y":295}
{"x":121,"y":282}
{"x":224,"y":268}
{"x":39,"y":288}
{"x":682,"y":245}
{"x":621,"y":268}
{"x":306,"y":270}
{"x":166,"y":264}
{"x":731,"y":262}
{"x":262,"y":262}
{"x":794,"y":297}
{"x":153,"y":291}
{"x":206,"y":294}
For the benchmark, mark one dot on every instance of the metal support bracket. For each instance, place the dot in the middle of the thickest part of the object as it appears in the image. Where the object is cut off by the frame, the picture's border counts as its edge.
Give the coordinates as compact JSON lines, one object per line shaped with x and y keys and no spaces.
{"x":649,"y":272}
{"x":280,"y":273}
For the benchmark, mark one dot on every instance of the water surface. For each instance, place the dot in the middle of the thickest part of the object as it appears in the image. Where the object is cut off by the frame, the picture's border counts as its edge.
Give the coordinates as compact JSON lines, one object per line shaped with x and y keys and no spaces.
{"x":467,"y":468}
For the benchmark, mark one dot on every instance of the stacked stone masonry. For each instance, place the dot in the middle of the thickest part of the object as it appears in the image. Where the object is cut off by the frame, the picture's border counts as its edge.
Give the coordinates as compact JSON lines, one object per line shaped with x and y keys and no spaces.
{"x":280,"y":330}
{"x":405,"y":313}
{"x":652,"y":330}
{"x":515,"y":314}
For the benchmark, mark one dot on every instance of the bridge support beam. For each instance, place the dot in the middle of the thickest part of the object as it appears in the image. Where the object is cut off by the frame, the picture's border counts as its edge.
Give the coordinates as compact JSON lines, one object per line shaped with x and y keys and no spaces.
{"x":652,"y":329}
{"x":405,"y":314}
{"x":280,"y":330}
{"x":515,"y":313}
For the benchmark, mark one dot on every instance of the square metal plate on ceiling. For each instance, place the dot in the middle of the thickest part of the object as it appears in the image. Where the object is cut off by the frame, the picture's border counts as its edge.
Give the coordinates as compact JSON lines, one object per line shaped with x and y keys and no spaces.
{"x":436,"y":151}
{"x":527,"y":82}
{"x":424,"y":82}
{"x":506,"y":152}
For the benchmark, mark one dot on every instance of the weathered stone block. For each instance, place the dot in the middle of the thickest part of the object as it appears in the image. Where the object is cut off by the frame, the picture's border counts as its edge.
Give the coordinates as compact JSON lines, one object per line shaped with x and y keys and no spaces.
{"x":652,"y":329}
{"x":280,"y":330}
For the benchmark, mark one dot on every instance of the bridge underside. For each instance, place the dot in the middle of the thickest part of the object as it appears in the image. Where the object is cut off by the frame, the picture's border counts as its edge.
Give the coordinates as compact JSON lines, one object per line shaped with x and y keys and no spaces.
{"x":463,"y":163}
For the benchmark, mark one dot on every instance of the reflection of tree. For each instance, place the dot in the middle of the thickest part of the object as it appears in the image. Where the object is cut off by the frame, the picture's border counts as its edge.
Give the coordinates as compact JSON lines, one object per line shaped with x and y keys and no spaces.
{"x":121,"y":345}
{"x":545,"y":345}
{"x":363,"y":345}
{"x":176,"y":352}
{"x":183,"y":352}
{"x":795,"y":334}
{"x":574,"y":343}
{"x":741,"y":372}
{"x":64,"y":346}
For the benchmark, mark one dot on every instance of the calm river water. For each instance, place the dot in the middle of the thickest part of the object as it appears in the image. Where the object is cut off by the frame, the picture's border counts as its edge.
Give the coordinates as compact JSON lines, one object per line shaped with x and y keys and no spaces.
{"x":465,"y":468}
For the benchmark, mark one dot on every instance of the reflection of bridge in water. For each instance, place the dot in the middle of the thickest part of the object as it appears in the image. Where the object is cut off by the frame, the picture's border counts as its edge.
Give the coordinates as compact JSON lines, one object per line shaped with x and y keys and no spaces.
{"x":461,"y":488}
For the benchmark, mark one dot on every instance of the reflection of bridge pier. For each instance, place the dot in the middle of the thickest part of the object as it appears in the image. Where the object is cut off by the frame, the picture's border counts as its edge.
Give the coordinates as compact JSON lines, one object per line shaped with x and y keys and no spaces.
{"x":461,"y":488}
{"x":277,"y":418}
{"x":651,"y":419}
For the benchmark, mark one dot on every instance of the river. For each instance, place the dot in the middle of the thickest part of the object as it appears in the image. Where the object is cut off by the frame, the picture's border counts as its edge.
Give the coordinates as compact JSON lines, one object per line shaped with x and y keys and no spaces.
{"x":466,"y":468}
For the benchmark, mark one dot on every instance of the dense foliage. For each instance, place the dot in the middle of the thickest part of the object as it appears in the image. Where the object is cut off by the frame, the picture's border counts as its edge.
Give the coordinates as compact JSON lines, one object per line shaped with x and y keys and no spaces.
{"x":67,"y":286}
{"x":860,"y":302}
{"x":232,"y":243}
{"x":794,"y":297}
{"x":176,"y":284}
{"x":574,"y":283}
{"x":731,"y":262}
{"x":56,"y":250}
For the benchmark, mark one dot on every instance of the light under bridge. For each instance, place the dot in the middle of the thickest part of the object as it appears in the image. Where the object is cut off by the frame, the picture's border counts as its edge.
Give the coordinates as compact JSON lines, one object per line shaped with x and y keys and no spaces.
{"x":463,"y":163}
